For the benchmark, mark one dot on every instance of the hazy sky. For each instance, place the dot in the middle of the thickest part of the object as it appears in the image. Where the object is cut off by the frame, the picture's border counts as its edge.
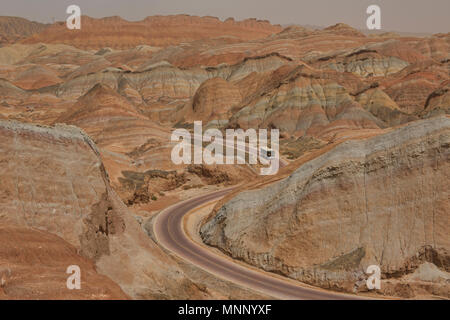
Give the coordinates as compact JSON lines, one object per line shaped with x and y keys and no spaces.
{"x":400,"y":15}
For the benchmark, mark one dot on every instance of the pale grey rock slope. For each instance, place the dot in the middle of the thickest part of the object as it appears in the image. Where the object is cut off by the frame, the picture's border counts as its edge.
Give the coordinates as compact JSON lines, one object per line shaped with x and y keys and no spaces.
{"x":383,"y":200}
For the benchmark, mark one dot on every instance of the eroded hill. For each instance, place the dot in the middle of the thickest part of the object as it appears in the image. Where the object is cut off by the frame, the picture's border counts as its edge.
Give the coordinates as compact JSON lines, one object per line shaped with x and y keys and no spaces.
{"x":375,"y":201}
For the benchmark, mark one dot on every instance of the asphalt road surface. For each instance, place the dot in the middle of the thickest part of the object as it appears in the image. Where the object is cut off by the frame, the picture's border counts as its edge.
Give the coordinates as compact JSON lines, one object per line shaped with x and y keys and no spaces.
{"x":168,"y":229}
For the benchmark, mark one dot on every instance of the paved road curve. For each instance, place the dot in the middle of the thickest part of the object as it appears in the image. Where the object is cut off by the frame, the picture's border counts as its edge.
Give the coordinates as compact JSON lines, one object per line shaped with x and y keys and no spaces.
{"x":168,"y":229}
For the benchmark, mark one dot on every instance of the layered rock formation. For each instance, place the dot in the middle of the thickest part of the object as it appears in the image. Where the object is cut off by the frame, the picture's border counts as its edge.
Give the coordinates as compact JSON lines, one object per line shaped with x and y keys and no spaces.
{"x":306,"y":102}
{"x":158,"y":31}
{"x":313,"y":85}
{"x":13,"y":29}
{"x":438,"y":102}
{"x":128,"y":85}
{"x":53,"y":180}
{"x":136,"y":150}
{"x":213,"y":101}
{"x":381,"y":200}
{"x":322,"y":79}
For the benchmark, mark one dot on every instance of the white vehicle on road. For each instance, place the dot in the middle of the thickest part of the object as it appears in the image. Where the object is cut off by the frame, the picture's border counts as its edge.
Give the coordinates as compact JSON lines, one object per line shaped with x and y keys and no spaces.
{"x":267,"y":153}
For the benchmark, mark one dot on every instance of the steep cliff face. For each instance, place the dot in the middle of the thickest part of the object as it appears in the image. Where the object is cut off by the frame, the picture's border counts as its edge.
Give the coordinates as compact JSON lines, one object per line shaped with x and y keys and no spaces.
{"x":53,"y":180}
{"x":383,"y":200}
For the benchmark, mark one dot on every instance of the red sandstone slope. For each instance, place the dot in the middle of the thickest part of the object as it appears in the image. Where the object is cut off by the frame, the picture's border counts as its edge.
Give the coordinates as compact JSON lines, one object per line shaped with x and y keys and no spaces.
{"x":160,"y":31}
{"x":33,"y":265}
{"x":53,"y":180}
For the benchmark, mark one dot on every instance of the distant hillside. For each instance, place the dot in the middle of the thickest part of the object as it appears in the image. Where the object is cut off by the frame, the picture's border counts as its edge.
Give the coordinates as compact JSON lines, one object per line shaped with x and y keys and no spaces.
{"x":13,"y":29}
{"x":382,"y":32}
{"x":160,"y":31}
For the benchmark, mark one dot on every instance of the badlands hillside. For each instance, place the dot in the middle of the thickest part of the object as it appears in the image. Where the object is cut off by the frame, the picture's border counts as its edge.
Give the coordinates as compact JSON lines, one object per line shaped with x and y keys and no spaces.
{"x":86,"y":118}
{"x":159,"y":31}
{"x":374,"y":201}
{"x":13,"y":29}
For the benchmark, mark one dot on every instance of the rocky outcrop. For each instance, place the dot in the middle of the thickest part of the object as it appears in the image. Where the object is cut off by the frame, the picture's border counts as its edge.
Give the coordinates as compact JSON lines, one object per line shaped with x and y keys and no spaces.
{"x":381,"y":200}
{"x":53,"y":180}
{"x":142,"y":187}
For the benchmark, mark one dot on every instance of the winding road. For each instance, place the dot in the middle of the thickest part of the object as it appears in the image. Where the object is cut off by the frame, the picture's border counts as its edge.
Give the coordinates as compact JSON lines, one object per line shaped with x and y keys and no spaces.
{"x":169,"y":233}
